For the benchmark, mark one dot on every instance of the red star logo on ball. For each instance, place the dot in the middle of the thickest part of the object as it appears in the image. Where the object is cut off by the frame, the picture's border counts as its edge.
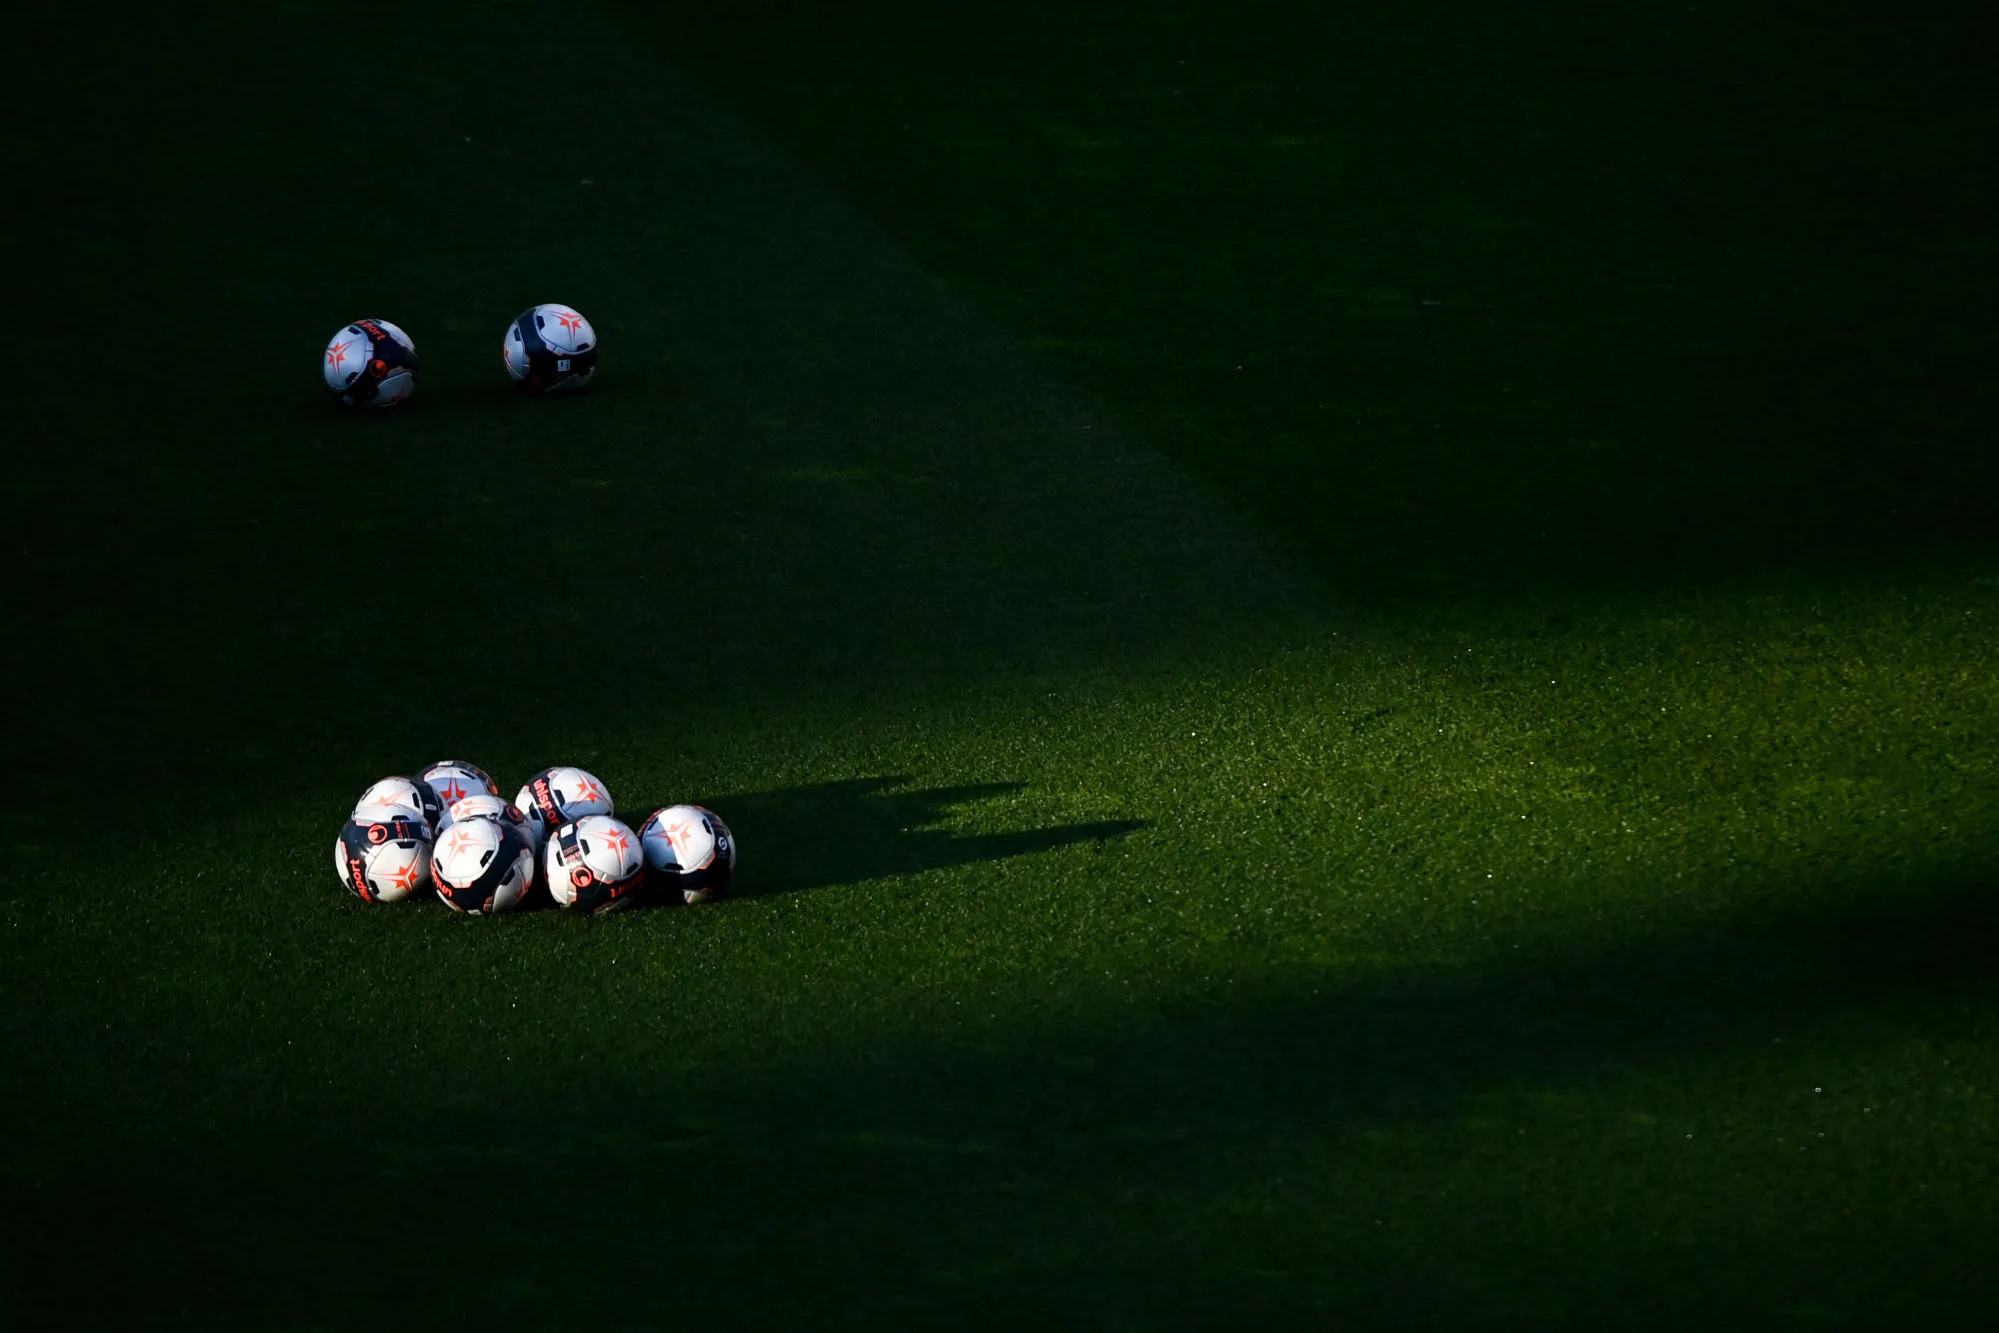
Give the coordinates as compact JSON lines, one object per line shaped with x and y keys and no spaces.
{"x":586,"y":790}
{"x":405,"y":878}
{"x":454,"y":791}
{"x":615,"y":839}
{"x":336,"y":355}
{"x":570,"y":320}
{"x":460,"y":840}
{"x":388,"y":799}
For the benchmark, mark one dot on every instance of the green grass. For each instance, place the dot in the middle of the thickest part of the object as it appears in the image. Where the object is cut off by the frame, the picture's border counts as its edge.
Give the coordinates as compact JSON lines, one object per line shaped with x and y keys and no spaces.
{"x":1471,"y":305}
{"x":1264,"y":800}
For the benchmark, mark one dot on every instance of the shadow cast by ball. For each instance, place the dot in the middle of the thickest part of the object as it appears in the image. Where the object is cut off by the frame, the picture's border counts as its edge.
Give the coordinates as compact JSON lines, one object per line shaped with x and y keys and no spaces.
{"x":861,"y":829}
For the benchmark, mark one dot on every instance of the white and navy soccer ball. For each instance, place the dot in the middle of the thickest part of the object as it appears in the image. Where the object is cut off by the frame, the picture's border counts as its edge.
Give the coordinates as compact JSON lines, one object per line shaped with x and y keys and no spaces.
{"x":400,"y":793}
{"x":550,"y":349}
{"x":370,"y":363}
{"x":593,"y":865}
{"x":383,"y":859}
{"x":557,"y":796}
{"x":499,"y":809}
{"x":481,"y":866}
{"x":689,"y":851}
{"x":454,"y":780}
{"x":481,"y":805}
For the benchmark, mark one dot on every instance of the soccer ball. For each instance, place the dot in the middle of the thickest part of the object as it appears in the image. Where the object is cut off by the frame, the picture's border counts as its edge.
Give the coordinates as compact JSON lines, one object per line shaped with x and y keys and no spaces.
{"x":370,"y":363}
{"x":690,"y":851}
{"x":454,"y":780}
{"x":550,"y":349}
{"x":481,"y":866}
{"x":555,"y":796}
{"x":482,"y":805}
{"x":495,"y":808}
{"x":399,"y":793}
{"x":593,"y":865}
{"x":385,"y":859}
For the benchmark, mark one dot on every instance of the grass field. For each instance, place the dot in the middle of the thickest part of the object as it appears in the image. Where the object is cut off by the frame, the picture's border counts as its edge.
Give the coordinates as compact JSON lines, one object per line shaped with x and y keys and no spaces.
{"x":1351,"y":649}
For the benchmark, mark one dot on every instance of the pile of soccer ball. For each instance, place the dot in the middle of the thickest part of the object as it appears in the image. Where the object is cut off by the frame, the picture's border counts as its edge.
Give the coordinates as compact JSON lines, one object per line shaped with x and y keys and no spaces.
{"x":547,"y":349}
{"x":449,"y":827}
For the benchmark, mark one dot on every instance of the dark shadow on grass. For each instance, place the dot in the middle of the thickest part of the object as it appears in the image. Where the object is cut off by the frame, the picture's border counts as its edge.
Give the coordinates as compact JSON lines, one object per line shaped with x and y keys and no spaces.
{"x":862,"y":829}
{"x":1462,"y":361}
{"x":1517,"y":1144}
{"x":850,"y":832}
{"x":806,"y":472}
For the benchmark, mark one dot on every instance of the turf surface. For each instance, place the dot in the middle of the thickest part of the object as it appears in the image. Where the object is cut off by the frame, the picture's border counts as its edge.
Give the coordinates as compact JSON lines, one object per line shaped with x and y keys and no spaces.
{"x":1350,"y":654}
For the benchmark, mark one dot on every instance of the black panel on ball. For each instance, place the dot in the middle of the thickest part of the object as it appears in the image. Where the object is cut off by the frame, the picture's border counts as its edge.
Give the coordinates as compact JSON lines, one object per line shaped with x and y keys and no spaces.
{"x":354,"y":846}
{"x":542,"y":792}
